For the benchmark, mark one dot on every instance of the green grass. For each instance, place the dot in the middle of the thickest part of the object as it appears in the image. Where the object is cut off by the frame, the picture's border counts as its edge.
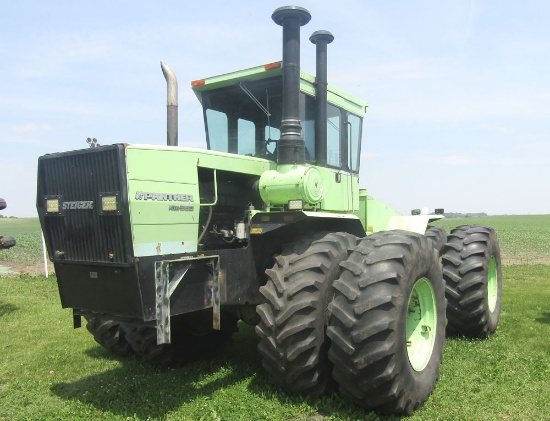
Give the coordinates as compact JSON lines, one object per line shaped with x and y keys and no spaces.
{"x":48,"y":370}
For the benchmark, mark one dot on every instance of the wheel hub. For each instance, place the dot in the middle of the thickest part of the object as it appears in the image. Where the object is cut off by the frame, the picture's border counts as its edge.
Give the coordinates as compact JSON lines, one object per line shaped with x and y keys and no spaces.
{"x":421,"y":324}
{"x":492,"y":284}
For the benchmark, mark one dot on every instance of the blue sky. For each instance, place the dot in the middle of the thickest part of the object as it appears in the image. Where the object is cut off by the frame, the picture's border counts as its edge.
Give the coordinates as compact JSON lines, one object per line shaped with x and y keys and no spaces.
{"x":458,"y":92}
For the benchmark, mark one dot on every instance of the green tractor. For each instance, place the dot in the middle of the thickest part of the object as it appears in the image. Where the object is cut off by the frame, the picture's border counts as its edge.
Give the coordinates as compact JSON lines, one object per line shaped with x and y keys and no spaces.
{"x":164,"y":249}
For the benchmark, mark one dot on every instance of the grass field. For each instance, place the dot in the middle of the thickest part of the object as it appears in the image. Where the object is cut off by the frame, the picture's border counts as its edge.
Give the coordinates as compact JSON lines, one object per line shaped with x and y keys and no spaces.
{"x":50,"y":371}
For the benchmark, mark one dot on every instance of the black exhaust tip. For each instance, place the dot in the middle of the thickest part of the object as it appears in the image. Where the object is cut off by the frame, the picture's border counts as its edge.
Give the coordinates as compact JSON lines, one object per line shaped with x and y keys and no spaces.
{"x":321,"y":39}
{"x":291,"y":146}
{"x":298,"y":12}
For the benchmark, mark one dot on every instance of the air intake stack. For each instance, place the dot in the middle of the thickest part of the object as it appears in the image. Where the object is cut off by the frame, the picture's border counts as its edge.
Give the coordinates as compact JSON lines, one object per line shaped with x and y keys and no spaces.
{"x":291,"y":146}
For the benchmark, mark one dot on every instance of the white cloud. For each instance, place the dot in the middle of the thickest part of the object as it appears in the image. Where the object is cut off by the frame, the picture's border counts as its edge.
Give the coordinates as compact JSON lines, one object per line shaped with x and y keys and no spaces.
{"x":30,"y":128}
{"x":496,"y":128}
{"x":59,"y":52}
{"x":29,"y":133}
{"x":524,"y":161}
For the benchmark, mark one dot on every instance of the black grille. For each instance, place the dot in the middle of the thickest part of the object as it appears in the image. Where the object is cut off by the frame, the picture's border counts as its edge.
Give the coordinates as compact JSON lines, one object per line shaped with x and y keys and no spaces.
{"x":85,"y":235}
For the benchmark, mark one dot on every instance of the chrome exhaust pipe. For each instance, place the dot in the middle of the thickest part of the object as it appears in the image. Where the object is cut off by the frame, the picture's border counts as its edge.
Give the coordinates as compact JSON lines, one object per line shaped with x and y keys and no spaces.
{"x":171,"y":105}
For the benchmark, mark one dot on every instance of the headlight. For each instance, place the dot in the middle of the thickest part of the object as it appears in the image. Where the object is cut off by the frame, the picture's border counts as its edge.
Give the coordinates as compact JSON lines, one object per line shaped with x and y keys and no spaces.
{"x":297,"y":204}
{"x":52,"y":205}
{"x":109,"y":203}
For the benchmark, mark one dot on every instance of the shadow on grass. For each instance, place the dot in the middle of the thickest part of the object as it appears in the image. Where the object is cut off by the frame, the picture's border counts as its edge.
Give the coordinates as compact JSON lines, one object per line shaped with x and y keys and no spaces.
{"x":544,"y":319}
{"x":6,"y":308}
{"x":140,"y":389}
{"x":144,"y":390}
{"x":332,"y":405}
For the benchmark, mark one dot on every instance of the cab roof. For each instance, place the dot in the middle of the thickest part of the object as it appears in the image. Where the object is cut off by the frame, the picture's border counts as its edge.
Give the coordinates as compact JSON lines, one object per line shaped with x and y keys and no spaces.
{"x":335,"y":96}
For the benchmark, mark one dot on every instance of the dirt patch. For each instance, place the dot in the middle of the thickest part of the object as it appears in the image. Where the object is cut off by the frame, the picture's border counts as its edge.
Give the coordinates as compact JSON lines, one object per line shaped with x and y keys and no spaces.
{"x":33,"y":270}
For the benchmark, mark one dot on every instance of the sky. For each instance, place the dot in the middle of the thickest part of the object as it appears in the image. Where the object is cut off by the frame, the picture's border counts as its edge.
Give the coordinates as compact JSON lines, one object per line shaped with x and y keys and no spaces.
{"x":458,"y":92}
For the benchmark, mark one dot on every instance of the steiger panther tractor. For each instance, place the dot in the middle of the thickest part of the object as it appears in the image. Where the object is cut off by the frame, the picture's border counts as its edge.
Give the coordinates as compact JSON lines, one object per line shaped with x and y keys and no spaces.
{"x":164,"y":249}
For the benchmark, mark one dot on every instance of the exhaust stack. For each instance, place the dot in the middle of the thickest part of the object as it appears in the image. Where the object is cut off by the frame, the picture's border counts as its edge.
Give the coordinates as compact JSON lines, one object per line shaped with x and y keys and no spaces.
{"x":321,"y":39}
{"x":171,"y":105}
{"x":291,"y":146}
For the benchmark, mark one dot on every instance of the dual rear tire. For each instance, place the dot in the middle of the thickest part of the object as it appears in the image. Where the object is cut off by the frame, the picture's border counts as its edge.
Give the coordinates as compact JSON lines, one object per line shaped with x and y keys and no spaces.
{"x":370,"y":316}
{"x":294,"y":316}
{"x":192,"y":337}
{"x":473,"y":276}
{"x":109,"y":334}
{"x":388,"y":323}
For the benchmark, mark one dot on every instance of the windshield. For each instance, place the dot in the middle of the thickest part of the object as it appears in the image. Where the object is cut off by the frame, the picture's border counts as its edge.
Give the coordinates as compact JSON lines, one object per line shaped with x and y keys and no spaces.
{"x":244,"y":119}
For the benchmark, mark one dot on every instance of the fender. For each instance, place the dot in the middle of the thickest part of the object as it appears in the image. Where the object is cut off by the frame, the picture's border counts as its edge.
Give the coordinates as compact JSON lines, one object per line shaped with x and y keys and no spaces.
{"x":268,"y":222}
{"x":413,"y":223}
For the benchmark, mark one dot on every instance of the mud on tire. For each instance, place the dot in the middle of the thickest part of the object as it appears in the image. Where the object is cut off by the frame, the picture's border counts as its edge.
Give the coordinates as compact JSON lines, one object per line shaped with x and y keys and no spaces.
{"x":387,"y":328}
{"x":473,"y":277}
{"x":293,"y":342}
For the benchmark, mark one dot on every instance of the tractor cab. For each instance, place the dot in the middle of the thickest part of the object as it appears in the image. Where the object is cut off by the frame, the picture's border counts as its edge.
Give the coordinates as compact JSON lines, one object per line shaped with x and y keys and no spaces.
{"x":243,"y":114}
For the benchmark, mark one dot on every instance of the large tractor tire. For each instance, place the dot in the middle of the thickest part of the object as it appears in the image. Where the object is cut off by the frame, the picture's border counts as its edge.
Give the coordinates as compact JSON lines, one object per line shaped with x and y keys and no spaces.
{"x":143,"y":340}
{"x":192,"y":337}
{"x":473,"y":276}
{"x":110,"y":335}
{"x":293,"y":319}
{"x":7,"y":242}
{"x":387,"y":328}
{"x":438,"y":237}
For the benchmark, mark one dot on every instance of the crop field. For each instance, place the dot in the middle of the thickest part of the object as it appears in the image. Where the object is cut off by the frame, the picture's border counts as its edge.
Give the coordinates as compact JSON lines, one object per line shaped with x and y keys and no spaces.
{"x":48,"y":370}
{"x":29,"y":244}
{"x":524,"y":240}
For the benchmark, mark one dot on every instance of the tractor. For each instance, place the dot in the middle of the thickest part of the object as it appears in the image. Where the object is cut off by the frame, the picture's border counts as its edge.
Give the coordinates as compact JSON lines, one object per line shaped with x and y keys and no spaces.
{"x":163,"y":250}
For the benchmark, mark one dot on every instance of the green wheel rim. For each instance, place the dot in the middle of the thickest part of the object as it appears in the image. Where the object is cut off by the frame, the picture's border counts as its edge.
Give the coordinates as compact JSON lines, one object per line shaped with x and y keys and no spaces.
{"x":492,"y":284}
{"x":421,"y":324}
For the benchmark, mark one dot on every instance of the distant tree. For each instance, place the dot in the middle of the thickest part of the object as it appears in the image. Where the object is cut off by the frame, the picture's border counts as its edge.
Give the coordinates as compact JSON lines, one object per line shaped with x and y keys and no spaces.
{"x":464,"y":215}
